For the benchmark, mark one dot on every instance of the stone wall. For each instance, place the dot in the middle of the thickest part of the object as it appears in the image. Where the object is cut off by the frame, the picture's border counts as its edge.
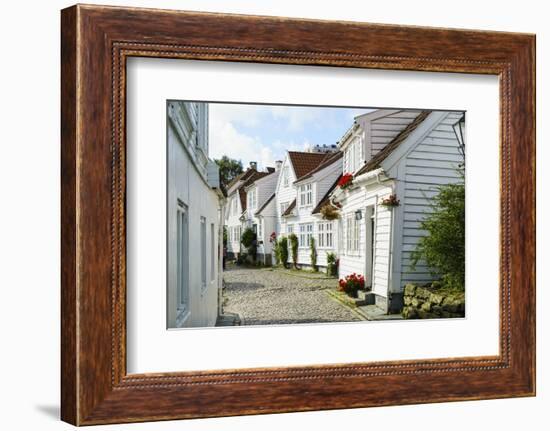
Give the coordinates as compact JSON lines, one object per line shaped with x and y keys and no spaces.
{"x":431,"y":303}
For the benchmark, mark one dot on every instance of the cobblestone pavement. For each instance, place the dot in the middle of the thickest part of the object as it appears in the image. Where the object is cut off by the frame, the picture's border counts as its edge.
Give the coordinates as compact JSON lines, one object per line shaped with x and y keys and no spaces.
{"x":263,"y":296}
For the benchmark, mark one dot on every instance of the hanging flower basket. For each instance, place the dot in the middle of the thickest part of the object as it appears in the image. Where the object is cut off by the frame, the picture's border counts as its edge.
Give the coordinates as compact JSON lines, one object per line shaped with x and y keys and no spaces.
{"x":390,"y":201}
{"x":329,"y":212}
{"x":346,"y":181}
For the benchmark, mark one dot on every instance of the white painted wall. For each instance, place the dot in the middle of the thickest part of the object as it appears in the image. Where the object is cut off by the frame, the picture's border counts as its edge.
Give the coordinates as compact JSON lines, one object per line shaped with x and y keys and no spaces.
{"x":187,"y":183}
{"x":433,"y":162}
{"x":232,"y":220}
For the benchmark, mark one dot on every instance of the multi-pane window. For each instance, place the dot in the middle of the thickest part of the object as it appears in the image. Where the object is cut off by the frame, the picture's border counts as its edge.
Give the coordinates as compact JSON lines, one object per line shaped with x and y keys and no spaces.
{"x":304,"y":235}
{"x":260,"y":230}
{"x":353,"y":227}
{"x":324,"y":235}
{"x":212,"y":252}
{"x":203,"y":251}
{"x":289,"y":229}
{"x":284,"y":207}
{"x":182,"y":256}
{"x":252,"y":199}
{"x":285,"y":176}
{"x":353,"y":156}
{"x":306,"y":195}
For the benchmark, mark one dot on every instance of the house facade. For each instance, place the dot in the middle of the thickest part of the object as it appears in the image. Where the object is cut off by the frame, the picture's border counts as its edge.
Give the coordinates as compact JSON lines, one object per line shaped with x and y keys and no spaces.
{"x":246,"y":194}
{"x":305,"y":179}
{"x":195,"y":206}
{"x":402,"y":153}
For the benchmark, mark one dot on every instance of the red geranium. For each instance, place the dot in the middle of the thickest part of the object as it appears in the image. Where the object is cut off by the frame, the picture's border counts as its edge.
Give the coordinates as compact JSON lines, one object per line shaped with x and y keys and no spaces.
{"x":345,"y":181}
{"x":351,"y":284}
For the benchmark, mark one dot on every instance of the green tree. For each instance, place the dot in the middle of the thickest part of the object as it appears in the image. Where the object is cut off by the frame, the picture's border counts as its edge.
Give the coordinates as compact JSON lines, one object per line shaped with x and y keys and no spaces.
{"x":229,"y":169}
{"x":313,"y":254}
{"x":294,"y":249}
{"x":248,"y":239}
{"x":283,"y":250}
{"x":443,"y":248}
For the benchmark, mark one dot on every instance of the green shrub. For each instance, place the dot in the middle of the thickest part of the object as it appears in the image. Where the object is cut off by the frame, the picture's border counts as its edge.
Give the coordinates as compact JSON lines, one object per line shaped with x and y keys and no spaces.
{"x":443,"y":248}
{"x":248,"y":239}
{"x":283,"y":250}
{"x":332,"y":267}
{"x":276,"y":251}
{"x":294,"y":249}
{"x":313,"y":254}
{"x":241,"y":259}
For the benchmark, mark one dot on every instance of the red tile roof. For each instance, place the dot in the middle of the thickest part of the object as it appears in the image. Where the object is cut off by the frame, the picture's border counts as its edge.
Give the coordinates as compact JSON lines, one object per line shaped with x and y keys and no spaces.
{"x":328,"y":160}
{"x":303,"y":162}
{"x":249,"y":176}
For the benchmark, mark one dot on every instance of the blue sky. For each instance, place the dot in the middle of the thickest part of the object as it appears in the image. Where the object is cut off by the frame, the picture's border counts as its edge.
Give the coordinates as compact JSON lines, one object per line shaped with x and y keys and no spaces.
{"x":263,"y":133}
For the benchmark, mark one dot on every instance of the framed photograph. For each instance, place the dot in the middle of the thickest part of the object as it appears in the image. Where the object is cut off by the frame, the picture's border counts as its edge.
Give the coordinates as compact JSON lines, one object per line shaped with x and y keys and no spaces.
{"x":266,"y":215}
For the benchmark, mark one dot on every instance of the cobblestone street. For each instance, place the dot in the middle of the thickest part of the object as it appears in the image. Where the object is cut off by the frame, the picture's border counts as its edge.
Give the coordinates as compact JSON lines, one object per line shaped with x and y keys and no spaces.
{"x":265,"y":296}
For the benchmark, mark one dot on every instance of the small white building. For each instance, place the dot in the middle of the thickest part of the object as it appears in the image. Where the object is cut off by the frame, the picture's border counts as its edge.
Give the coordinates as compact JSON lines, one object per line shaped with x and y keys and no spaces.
{"x":261,"y":215}
{"x":242,"y":205}
{"x":405,"y":153}
{"x":305,"y":179}
{"x":195,"y":217}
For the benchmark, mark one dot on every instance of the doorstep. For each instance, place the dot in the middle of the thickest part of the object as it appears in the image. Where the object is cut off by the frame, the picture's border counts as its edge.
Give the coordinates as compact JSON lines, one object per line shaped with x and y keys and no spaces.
{"x":373,"y":312}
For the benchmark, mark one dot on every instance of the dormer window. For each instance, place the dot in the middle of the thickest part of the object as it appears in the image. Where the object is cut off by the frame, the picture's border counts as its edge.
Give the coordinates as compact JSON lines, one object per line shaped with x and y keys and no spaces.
{"x":285,"y":177}
{"x":306,"y":195}
{"x":353,"y":156}
{"x":252,"y":199}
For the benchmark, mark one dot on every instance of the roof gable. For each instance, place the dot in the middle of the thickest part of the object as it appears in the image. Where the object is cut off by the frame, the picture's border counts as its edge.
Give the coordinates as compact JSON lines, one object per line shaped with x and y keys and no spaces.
{"x":375,"y":161}
{"x":328,"y":160}
{"x":303,"y":162}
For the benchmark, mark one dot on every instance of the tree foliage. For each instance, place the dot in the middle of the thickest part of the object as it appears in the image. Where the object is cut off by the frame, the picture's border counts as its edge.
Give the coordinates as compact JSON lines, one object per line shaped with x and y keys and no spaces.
{"x":229,"y":169}
{"x":282,"y":250}
{"x":249,"y":240}
{"x":294,"y":249}
{"x":443,"y":248}
{"x":313,"y":254}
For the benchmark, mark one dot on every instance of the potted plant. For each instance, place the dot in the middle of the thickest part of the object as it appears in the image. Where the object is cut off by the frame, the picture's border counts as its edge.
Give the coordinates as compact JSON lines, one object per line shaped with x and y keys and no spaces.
{"x":390,"y":201}
{"x":329,"y":212}
{"x":351,"y":284}
{"x":345,"y":181}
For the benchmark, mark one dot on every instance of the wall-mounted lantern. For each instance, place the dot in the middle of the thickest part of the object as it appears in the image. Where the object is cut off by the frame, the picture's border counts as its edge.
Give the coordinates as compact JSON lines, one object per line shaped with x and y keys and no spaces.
{"x":358,"y":215}
{"x":460,"y":131}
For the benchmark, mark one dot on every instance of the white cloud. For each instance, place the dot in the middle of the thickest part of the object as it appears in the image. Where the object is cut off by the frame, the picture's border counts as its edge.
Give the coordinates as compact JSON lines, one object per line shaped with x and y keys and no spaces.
{"x":296,"y":117}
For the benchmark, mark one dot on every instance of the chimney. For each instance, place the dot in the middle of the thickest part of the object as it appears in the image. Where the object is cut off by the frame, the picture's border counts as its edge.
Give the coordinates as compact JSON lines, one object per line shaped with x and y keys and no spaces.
{"x":278,"y":165}
{"x":254,"y":165}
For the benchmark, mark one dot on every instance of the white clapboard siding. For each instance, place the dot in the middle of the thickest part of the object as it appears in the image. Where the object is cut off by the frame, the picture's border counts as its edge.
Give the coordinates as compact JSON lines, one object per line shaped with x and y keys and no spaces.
{"x":432,"y":163}
{"x":382,"y":240}
{"x":384,"y":129}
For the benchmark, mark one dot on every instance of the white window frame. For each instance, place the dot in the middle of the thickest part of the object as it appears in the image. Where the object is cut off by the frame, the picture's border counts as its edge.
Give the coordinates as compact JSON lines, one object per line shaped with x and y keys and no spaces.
{"x":305,"y":195}
{"x":305,"y":232}
{"x":289,"y":228}
{"x":325,"y":237}
{"x":284,"y":207}
{"x":252,"y":199}
{"x":353,"y":234}
{"x":212,"y":252}
{"x":182,"y":261}
{"x":202,"y":233}
{"x":285,"y":176}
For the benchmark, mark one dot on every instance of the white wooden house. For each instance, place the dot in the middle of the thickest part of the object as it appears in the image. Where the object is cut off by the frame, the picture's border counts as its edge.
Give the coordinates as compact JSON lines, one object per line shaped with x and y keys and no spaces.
{"x":261,"y":213}
{"x":243,"y":200}
{"x":195,"y":205}
{"x":305,"y":179}
{"x":405,"y":153}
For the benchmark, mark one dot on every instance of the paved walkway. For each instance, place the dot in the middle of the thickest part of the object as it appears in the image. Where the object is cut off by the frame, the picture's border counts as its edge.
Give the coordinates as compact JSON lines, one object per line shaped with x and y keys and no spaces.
{"x":264,"y":296}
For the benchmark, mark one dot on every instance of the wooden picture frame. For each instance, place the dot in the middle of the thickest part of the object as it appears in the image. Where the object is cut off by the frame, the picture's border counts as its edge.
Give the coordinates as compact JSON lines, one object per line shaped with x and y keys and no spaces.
{"x":95,"y":43}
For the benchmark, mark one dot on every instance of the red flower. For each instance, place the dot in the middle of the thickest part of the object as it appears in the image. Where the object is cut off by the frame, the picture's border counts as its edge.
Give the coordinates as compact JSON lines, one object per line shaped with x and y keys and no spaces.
{"x":345,"y":181}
